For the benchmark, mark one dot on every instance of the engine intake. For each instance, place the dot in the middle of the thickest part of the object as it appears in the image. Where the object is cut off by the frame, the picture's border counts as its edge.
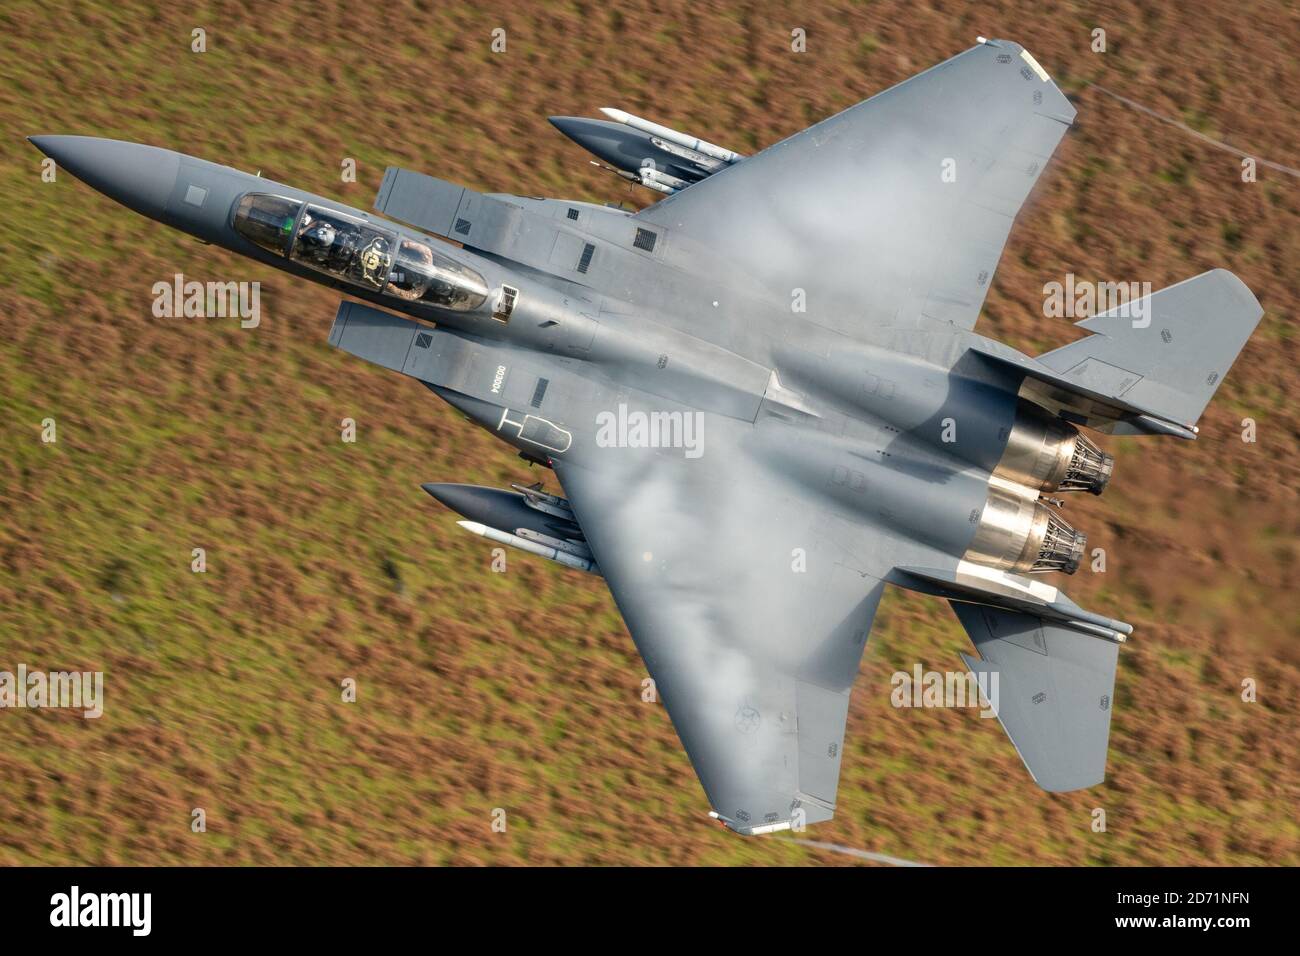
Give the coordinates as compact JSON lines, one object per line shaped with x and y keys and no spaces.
{"x":1049,"y":454}
{"x":1018,"y":533}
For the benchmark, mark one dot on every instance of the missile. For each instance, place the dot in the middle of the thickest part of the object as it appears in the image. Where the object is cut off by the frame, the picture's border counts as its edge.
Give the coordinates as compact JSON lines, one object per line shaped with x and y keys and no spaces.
{"x":532,"y":547}
{"x":690,"y":155}
{"x":649,"y":182}
{"x":648,"y":160}
{"x":544,"y":515}
{"x":671,"y":135}
{"x":540,"y":523}
{"x":627,"y":151}
{"x":549,"y":504}
{"x":622,"y":174}
{"x":654,"y":179}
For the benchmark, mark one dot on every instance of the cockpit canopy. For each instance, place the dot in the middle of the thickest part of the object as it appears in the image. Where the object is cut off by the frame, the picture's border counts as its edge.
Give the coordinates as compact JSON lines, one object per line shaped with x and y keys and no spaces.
{"x":267,"y":221}
{"x":358,"y":252}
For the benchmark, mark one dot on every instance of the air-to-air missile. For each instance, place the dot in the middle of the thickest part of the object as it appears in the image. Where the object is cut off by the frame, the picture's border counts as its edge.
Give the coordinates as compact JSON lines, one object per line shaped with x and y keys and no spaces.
{"x":693,"y":145}
{"x":526,"y":518}
{"x":646,"y":153}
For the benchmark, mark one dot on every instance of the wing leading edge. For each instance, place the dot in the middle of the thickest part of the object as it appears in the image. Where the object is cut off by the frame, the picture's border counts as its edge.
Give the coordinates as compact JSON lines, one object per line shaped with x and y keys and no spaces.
{"x":894,"y":209}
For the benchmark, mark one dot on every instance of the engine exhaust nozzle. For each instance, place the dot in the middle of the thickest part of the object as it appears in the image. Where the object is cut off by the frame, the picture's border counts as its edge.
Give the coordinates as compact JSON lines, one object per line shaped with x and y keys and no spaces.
{"x":1048,"y":454}
{"x":1016,"y":532}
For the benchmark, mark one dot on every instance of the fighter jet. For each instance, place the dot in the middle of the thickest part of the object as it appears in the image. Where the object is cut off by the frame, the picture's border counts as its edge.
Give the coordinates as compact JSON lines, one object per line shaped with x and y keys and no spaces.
{"x":763,"y":399}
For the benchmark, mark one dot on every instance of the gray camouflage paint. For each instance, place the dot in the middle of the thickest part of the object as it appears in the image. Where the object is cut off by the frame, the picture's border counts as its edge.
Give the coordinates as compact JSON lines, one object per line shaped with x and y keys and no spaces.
{"x":749,"y":575}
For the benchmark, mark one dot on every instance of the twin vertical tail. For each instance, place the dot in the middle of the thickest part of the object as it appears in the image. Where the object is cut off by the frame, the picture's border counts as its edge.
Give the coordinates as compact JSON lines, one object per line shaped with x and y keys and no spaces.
{"x":1148,"y":368}
{"x":1152,"y":365}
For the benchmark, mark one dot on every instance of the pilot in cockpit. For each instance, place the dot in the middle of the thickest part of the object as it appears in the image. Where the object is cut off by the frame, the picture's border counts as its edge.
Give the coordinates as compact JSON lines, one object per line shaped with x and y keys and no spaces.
{"x":315,"y":240}
{"x":411,"y":273}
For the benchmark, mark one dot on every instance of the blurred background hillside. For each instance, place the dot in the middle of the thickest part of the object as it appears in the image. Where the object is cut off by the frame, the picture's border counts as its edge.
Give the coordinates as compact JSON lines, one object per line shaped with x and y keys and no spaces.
{"x":522,"y":690}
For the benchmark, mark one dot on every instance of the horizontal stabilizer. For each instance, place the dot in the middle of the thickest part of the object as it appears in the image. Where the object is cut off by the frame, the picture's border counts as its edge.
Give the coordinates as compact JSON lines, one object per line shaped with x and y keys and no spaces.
{"x":1164,"y":354}
{"x":1052,"y":688}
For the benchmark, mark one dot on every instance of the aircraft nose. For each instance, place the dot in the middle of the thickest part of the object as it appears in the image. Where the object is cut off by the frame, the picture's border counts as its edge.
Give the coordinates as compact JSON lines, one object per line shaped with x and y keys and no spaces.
{"x":568,"y":125}
{"x":140,"y":177}
{"x":591,"y":135}
{"x":458,"y":498}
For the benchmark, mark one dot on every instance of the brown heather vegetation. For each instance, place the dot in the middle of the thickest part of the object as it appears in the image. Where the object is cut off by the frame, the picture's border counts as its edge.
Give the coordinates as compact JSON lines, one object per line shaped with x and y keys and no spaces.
{"x":521,"y":691}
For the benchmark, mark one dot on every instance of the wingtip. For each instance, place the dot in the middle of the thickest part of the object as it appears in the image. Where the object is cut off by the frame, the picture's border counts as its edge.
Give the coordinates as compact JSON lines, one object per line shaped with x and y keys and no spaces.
{"x":1239,"y":287}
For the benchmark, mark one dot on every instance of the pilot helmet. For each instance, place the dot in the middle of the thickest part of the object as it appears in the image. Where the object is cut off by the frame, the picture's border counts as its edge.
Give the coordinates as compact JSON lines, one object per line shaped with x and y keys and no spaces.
{"x":321,"y":233}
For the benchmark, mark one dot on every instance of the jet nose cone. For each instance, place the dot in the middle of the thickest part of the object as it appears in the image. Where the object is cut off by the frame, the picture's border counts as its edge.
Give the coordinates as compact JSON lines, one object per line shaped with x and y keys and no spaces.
{"x":564,"y":123}
{"x":473,"y":501}
{"x":580,"y":129}
{"x":451,"y":495}
{"x":141,"y":177}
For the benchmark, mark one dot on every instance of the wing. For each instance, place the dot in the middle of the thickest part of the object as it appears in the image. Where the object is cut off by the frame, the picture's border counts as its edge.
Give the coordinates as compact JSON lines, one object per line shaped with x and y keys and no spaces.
{"x":749,"y":614}
{"x":895,"y":208}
